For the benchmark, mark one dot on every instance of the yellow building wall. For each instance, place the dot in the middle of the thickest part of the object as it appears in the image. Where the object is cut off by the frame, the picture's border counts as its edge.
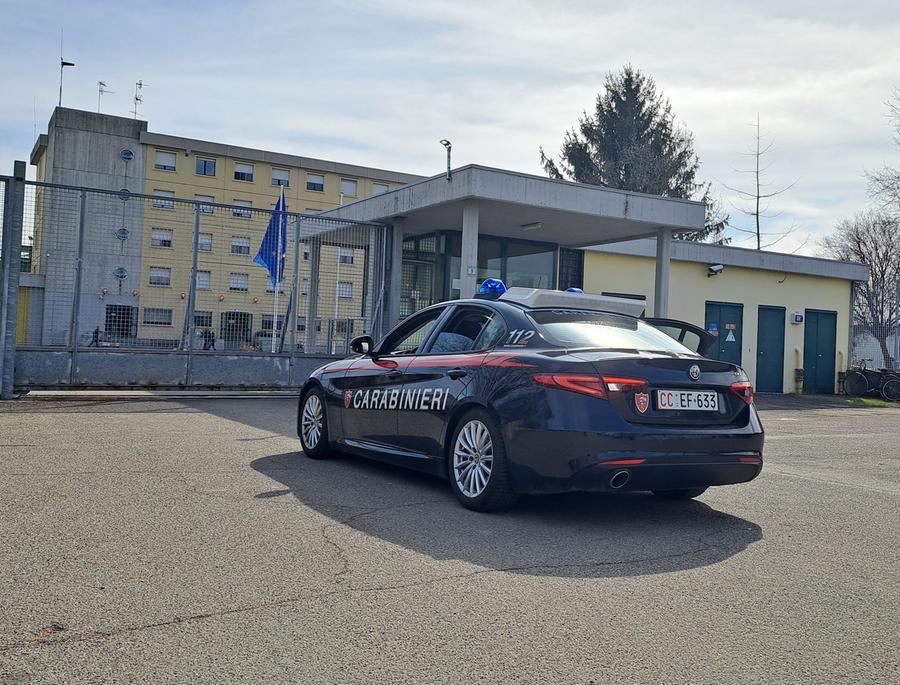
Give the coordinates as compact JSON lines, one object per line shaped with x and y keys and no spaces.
{"x":222,"y":187}
{"x":691,"y":288}
{"x":22,"y":316}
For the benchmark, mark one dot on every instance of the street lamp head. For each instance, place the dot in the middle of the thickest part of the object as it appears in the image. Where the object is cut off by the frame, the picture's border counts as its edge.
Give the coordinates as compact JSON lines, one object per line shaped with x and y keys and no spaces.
{"x":445,"y":142}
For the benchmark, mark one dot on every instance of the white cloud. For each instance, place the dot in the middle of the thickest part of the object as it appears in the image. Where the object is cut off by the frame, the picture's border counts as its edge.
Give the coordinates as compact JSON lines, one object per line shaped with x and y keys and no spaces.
{"x":379,"y":83}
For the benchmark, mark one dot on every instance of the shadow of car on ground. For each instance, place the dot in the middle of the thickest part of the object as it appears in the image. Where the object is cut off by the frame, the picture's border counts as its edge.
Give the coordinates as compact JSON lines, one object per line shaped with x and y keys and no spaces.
{"x":571,"y":535}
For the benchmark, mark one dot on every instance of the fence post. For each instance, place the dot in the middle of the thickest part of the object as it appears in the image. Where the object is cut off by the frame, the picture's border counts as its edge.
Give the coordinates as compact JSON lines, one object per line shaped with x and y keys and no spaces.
{"x":187,"y":341}
{"x":76,"y":292}
{"x":293,"y":311}
{"x":315,"y":256}
{"x":13,"y":220}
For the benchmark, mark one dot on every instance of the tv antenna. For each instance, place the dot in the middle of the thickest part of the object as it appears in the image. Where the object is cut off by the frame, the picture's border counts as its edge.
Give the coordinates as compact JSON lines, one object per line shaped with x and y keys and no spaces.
{"x":101,"y":89}
{"x":138,"y":97}
{"x":62,"y":65}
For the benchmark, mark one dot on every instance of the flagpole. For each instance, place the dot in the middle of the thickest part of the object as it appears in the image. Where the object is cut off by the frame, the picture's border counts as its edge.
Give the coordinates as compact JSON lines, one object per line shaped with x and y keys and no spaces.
{"x":280,"y":218}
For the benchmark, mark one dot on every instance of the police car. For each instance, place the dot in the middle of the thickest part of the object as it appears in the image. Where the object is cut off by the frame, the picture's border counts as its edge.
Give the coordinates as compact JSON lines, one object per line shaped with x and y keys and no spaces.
{"x":539,"y":391}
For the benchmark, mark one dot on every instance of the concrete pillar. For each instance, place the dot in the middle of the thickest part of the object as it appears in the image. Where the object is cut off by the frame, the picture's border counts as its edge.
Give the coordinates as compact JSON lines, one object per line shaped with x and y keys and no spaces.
{"x":13,"y":222}
{"x":393,"y":274}
{"x":468,"y":262}
{"x":661,"y":284}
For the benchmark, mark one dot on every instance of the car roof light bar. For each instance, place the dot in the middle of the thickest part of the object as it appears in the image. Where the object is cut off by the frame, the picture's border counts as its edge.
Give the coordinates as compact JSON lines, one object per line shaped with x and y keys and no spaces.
{"x":541,"y":298}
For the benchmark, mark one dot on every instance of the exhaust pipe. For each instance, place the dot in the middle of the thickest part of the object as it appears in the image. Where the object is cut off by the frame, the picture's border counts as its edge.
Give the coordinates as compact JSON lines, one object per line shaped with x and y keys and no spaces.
{"x":619,"y":480}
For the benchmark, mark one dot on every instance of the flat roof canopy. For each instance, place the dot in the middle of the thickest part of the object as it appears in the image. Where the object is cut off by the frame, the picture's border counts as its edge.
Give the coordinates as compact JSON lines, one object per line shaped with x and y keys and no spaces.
{"x":516,"y":205}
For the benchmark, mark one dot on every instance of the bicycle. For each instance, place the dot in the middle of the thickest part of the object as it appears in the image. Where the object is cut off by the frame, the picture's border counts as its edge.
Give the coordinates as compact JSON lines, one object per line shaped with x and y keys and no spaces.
{"x":861,"y":381}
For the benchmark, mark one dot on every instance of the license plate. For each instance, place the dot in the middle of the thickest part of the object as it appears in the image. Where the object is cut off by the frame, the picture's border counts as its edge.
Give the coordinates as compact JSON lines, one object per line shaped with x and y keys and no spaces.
{"x":687,"y":400}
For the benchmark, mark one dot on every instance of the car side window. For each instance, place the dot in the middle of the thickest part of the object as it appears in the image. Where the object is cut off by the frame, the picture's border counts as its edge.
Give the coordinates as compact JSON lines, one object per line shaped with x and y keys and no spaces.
{"x":409,"y":338}
{"x":465,"y":332}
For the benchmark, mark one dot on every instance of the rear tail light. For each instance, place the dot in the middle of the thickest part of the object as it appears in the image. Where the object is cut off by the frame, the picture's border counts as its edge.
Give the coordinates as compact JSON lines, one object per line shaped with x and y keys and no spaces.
{"x":744,"y":391}
{"x":583,"y":383}
{"x":588,"y":384}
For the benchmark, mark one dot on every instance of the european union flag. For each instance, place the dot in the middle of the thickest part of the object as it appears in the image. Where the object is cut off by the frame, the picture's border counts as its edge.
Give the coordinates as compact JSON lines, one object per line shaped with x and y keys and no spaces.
{"x":274,"y":243}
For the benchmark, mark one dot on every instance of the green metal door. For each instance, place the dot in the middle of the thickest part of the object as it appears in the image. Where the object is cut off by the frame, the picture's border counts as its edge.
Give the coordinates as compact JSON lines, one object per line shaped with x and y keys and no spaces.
{"x":770,"y":349}
{"x":819,"y":344}
{"x":725,"y":322}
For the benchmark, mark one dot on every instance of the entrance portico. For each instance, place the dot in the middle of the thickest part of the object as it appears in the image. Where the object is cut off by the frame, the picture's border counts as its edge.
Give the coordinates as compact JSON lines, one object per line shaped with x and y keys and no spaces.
{"x":476,"y":202}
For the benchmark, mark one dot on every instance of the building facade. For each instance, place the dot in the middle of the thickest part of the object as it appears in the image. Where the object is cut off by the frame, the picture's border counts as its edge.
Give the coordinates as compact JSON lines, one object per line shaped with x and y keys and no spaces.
{"x":141,"y":251}
{"x":785,"y":319}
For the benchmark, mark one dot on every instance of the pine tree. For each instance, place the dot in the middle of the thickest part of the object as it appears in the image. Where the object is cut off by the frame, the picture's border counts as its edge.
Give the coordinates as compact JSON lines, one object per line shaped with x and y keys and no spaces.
{"x":631,"y":142}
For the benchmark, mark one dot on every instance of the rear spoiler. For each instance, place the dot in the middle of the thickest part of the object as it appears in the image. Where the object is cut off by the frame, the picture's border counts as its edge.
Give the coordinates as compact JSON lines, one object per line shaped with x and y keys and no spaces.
{"x":540,"y":298}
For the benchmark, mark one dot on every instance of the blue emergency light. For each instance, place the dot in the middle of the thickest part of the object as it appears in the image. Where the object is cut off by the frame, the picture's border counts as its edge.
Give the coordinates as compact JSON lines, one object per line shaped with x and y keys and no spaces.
{"x":490,"y":289}
{"x":575,"y":290}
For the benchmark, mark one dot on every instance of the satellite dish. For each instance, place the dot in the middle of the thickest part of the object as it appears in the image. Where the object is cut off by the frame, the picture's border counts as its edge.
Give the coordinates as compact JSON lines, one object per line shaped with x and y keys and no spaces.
{"x":120,"y":273}
{"x":122,"y":234}
{"x":126,"y":154}
{"x":124,"y":194}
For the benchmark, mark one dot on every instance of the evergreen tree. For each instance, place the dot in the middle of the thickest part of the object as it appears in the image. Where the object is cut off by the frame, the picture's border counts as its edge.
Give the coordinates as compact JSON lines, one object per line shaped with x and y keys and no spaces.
{"x":631,"y":142}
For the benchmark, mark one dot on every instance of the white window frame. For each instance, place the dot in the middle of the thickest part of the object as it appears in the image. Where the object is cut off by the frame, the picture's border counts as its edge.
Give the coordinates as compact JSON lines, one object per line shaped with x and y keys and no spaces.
{"x":215,"y":163}
{"x":203,"y":312}
{"x":242,"y":214}
{"x":168,"y":271}
{"x":171,"y":233}
{"x":385,"y":188}
{"x":355,"y":183}
{"x":144,"y":321}
{"x":238,"y":241}
{"x":287,"y":181}
{"x":345,"y":293}
{"x":237,"y":171}
{"x":310,"y":176}
{"x":163,"y":199}
{"x":346,"y":255}
{"x":201,"y":242}
{"x":231,"y":281}
{"x":205,"y":209}
{"x":304,"y":286}
{"x":165,"y":167}
{"x":208,"y":279}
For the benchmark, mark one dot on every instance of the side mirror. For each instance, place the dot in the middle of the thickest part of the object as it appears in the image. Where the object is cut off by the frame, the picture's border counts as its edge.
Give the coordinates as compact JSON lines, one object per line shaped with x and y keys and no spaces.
{"x":362,"y":344}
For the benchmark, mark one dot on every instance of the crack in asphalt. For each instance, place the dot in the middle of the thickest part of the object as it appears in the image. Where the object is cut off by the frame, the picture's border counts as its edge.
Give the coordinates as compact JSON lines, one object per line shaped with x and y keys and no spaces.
{"x":54,"y":636}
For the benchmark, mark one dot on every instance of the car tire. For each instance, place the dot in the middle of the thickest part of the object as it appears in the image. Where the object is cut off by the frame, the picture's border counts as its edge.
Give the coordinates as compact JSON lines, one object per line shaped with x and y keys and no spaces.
{"x":477,"y":465}
{"x":687,"y":493}
{"x":312,"y":424}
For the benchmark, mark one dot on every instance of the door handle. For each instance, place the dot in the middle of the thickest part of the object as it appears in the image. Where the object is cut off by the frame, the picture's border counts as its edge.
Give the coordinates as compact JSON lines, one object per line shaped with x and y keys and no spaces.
{"x":394,"y":373}
{"x":456,"y":373}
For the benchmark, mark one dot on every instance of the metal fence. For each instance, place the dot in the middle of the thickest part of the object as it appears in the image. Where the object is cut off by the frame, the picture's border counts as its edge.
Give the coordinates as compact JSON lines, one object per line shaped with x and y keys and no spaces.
{"x":875,"y":336}
{"x":118,"y":270}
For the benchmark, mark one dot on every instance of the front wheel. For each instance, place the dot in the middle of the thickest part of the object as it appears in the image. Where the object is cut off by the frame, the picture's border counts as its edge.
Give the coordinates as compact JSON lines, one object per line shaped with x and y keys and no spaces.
{"x":312,"y":425}
{"x":891,"y":390}
{"x":687,"y":493}
{"x":479,"y":474}
{"x":856,"y":384}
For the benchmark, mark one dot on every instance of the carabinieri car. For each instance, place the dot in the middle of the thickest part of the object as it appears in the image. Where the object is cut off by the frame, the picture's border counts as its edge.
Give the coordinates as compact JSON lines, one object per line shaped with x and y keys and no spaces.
{"x":539,"y":391}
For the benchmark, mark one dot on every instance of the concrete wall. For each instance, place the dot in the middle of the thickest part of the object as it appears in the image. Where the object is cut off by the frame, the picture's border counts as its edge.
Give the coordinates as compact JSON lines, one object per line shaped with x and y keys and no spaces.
{"x":691,"y":289}
{"x":42,"y":368}
{"x":84,"y":149}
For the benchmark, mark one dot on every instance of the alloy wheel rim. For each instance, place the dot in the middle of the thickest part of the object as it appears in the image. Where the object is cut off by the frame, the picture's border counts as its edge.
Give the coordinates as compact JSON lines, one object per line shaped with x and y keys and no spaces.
{"x":473,"y":458}
{"x":311,"y":423}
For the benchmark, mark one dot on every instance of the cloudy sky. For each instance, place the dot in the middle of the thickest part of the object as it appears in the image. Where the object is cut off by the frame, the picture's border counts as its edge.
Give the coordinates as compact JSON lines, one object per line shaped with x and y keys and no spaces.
{"x":379,"y":82}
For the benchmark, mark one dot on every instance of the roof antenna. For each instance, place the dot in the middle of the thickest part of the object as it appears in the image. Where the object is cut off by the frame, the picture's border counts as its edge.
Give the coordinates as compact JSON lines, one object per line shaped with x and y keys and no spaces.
{"x":138,"y":97}
{"x":62,"y":65}
{"x":101,"y":89}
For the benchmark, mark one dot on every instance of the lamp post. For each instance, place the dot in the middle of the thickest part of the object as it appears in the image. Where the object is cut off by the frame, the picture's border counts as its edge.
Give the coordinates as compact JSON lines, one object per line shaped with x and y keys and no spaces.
{"x":446,"y":144}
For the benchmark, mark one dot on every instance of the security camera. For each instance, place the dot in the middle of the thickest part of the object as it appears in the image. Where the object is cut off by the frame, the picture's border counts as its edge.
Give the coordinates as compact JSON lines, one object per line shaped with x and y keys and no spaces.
{"x":714,"y":270}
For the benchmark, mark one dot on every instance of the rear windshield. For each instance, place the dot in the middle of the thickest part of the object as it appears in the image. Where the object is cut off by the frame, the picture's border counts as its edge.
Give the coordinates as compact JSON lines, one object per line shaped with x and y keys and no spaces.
{"x":572,"y":328}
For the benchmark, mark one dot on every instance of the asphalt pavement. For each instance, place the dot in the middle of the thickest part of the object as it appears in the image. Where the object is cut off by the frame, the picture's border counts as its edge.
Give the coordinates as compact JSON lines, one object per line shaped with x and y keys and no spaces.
{"x":187,"y":541}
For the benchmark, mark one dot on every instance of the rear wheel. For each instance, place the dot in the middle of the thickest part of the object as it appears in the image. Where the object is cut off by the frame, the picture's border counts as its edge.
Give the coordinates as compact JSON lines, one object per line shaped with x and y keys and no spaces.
{"x":687,"y":493}
{"x":313,"y":425}
{"x":891,"y":390}
{"x":856,"y":384}
{"x":479,"y":475}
